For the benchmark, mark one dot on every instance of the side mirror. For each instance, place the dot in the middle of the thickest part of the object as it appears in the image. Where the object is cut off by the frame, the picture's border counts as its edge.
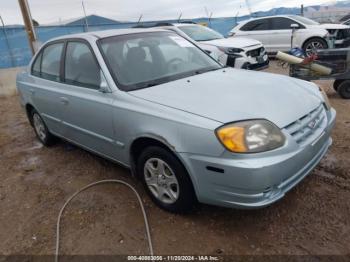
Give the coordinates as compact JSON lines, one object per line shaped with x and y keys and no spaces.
{"x":294,"y":26}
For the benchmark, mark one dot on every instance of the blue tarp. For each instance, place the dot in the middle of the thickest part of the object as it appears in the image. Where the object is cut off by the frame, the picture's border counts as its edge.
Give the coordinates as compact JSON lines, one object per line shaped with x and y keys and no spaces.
{"x":15,"y":51}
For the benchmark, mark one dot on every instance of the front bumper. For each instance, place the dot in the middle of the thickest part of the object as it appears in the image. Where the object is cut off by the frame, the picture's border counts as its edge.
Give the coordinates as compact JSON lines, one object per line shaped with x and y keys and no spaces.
{"x":342,"y":43}
{"x":259,"y":66}
{"x":250,"y":63}
{"x":254,"y":182}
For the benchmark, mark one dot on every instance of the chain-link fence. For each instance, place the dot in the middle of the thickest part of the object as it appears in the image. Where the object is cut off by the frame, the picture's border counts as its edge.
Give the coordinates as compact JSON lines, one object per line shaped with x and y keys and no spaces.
{"x":15,"y":51}
{"x":14,"y":46}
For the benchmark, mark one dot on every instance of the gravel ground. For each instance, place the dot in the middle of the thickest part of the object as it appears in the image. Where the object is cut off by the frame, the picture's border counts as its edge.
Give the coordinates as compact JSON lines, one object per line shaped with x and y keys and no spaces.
{"x":313,"y":219}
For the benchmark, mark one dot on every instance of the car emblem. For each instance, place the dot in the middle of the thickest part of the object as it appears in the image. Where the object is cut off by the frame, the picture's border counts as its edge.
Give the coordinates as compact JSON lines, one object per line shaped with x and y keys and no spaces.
{"x":312,"y":124}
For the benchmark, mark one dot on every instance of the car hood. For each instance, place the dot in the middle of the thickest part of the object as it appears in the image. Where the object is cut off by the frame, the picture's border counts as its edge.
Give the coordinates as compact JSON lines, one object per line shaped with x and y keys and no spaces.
{"x":330,"y":26}
{"x":231,"y":95}
{"x":237,"y":42}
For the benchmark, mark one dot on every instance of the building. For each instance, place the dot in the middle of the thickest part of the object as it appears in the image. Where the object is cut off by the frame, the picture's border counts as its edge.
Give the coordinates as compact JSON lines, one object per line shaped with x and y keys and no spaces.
{"x":91,"y":20}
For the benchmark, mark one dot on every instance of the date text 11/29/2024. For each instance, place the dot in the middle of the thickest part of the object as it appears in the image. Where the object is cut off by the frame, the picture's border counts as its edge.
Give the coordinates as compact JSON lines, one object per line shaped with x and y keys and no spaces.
{"x":173,"y":258}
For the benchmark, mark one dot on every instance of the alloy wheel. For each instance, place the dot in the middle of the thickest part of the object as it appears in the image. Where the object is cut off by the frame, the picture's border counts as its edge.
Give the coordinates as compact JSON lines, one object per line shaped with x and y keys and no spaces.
{"x":161,"y":180}
{"x":39,"y":127}
{"x":312,"y":47}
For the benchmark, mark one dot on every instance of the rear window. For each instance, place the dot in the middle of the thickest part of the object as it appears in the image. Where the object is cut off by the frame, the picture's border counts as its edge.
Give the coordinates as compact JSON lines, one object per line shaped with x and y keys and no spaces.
{"x":282,"y":23}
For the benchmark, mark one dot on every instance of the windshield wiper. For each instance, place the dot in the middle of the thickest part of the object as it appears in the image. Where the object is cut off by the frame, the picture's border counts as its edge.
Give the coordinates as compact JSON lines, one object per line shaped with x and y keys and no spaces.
{"x":210,"y":39}
{"x":202,"y":71}
{"x":153,"y":83}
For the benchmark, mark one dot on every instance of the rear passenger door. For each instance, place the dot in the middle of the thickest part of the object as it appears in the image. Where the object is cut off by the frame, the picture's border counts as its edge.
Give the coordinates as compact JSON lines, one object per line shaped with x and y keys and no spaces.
{"x":44,"y":89}
{"x":281,"y":33}
{"x":257,"y":29}
{"x":88,"y":110}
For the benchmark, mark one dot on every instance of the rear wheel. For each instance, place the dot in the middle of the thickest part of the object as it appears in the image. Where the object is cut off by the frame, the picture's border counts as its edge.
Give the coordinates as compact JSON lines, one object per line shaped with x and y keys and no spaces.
{"x":314,"y":44}
{"x":166,"y":180}
{"x":344,"y":89}
{"x":41,"y":131}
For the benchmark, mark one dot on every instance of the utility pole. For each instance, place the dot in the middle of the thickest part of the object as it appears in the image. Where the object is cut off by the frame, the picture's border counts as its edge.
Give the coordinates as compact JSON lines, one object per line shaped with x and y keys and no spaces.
{"x":208,"y":15}
{"x":236,"y":18}
{"x":179,"y":19}
{"x":140,"y":18}
{"x":302,"y":10}
{"x":86,"y":21}
{"x":249,"y":8}
{"x":28,"y":23}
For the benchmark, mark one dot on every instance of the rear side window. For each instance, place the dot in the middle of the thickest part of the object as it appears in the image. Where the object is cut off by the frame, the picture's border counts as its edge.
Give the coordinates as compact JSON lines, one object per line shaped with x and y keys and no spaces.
{"x":256,"y":25}
{"x":36,"y":70}
{"x":81,"y":68}
{"x":50,"y":64}
{"x":281,"y":23}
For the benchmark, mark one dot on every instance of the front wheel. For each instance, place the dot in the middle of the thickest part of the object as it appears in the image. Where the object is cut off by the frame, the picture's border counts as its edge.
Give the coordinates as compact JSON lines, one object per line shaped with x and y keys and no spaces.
{"x":166,"y":180}
{"x":314,"y":44}
{"x":344,"y":89}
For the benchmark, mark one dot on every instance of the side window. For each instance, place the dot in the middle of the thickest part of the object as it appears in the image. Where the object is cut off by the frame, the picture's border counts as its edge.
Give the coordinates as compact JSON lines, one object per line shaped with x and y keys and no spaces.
{"x":50,"y":64}
{"x":256,"y":25}
{"x":36,"y":69}
{"x":281,"y":23}
{"x":81,"y":68}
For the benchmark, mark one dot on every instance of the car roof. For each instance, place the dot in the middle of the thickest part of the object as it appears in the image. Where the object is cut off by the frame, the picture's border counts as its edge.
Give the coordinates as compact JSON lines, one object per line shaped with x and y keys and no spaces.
{"x":265,"y":17}
{"x":167,"y":25}
{"x":108,"y":33}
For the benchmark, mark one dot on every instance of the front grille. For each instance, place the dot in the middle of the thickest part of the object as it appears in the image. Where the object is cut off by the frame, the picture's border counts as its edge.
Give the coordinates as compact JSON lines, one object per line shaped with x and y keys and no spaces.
{"x":258,"y":66}
{"x":343,"y":34}
{"x":308,"y":128}
{"x":256,"y":52}
{"x":231,"y":60}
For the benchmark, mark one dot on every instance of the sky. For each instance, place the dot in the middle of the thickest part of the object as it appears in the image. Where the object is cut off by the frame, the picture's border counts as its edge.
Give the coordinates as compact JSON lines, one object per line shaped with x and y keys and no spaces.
{"x":53,"y":11}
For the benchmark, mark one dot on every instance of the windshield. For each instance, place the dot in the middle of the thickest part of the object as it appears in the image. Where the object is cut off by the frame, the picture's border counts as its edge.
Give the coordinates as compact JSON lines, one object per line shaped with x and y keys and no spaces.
{"x":143,"y":60}
{"x":304,"y":20}
{"x":200,"y":33}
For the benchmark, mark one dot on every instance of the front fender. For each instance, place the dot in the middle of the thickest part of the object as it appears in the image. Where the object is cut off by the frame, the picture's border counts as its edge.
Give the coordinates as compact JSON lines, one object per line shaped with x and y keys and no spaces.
{"x":181,"y":131}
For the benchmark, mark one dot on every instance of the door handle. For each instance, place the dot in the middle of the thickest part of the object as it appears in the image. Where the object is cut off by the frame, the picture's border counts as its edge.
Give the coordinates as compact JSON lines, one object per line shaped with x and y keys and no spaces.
{"x":64,"y":100}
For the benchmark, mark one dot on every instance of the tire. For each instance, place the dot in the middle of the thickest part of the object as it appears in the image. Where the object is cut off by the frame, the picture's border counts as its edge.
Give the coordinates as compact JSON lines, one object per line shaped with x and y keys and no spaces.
{"x":344,"y":89}
{"x":42,"y":132}
{"x":337,"y":83}
{"x":166,"y":180}
{"x":316,"y":43}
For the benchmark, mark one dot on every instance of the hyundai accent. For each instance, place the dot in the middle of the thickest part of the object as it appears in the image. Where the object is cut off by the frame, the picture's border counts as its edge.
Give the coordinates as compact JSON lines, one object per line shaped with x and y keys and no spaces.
{"x":189,"y":129}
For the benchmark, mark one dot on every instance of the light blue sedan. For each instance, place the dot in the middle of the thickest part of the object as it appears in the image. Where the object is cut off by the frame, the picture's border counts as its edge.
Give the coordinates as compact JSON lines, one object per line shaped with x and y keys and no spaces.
{"x":189,"y":129}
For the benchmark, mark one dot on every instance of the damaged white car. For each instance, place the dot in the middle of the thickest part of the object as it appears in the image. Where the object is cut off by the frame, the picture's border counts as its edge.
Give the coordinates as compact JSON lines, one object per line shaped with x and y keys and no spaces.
{"x":243,"y":53}
{"x":275,"y":33}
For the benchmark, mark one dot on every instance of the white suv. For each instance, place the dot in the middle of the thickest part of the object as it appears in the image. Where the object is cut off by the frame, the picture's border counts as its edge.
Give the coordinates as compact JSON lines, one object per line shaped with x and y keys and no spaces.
{"x":239,"y":52}
{"x":275,"y":33}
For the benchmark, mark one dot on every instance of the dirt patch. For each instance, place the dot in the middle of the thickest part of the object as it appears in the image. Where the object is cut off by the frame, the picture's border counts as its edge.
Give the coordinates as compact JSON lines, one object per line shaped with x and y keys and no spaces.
{"x":314,"y":218}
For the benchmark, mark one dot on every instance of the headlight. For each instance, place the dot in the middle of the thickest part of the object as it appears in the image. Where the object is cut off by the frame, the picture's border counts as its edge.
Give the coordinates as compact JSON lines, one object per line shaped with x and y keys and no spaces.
{"x":253,"y":136}
{"x":326,"y":100}
{"x":231,"y":50}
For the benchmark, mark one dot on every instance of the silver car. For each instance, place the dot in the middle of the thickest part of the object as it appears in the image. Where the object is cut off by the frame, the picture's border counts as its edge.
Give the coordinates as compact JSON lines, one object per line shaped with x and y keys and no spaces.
{"x":188,"y":128}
